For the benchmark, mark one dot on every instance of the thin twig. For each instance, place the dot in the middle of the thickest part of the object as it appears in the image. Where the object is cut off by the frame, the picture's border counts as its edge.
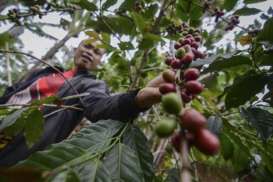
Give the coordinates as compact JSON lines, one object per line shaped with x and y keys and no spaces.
{"x":45,"y":105}
{"x":222,"y":18}
{"x":185,"y":175}
{"x":31,"y":13}
{"x":147,"y":51}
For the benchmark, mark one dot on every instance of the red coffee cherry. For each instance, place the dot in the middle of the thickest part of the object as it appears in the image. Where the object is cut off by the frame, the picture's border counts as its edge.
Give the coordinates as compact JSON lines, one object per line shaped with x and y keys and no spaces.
{"x":188,"y":58}
{"x":177,"y":139}
{"x":191,"y":74}
{"x":206,"y":142}
{"x":194,"y":45}
{"x":176,"y":64}
{"x":167,"y":88}
{"x":194,"y":87}
{"x":186,"y":97}
{"x":192,"y":120}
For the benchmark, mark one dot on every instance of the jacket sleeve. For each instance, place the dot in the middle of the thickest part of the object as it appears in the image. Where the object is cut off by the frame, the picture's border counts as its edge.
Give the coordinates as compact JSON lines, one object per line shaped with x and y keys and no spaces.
{"x":100,"y":105}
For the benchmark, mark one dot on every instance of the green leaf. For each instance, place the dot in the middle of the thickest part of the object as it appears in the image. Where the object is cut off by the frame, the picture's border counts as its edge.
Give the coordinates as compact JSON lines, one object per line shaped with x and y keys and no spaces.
{"x":127,"y":5}
{"x":33,"y":127}
{"x":136,"y":140}
{"x":85,"y":4}
{"x":149,"y":40}
{"x":266,"y":59}
{"x":66,"y":176}
{"x":110,"y":24}
{"x":261,"y":119}
{"x":80,"y":148}
{"x":266,"y":33}
{"x":123,"y":164}
{"x":11,"y":118}
{"x":229,"y":4}
{"x":228,"y":61}
{"x":240,"y":159}
{"x":245,"y":87}
{"x":108,"y":4}
{"x":247,"y":11}
{"x":5,"y":37}
{"x":93,"y":171}
{"x":253,"y":1}
{"x":196,"y":12}
{"x":151,"y":11}
{"x":139,"y":21}
{"x":227,"y":147}
{"x":28,"y":120}
{"x":126,"y":45}
{"x":173,"y":175}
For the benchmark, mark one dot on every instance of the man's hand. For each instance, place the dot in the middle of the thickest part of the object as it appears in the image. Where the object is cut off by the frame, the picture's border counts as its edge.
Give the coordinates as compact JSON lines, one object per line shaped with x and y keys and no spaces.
{"x":150,"y":94}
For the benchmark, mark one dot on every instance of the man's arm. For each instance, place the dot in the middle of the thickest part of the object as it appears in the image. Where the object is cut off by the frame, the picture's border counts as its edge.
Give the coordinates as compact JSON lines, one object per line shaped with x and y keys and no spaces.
{"x":100,"y":105}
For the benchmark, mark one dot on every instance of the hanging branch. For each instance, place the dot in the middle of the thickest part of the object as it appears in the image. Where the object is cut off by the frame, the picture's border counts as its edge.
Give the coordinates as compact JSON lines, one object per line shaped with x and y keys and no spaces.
{"x":185,"y":174}
{"x":221,"y":18}
{"x":147,"y":52}
{"x":8,"y":66}
{"x":46,"y":105}
{"x":30,"y":13}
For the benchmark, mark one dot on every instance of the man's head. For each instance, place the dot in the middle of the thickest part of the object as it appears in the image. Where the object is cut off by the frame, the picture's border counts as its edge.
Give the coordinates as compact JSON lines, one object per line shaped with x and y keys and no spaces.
{"x":88,"y":55}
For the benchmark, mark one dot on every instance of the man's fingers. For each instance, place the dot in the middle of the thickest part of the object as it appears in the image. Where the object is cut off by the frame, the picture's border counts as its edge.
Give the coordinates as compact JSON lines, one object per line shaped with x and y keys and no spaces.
{"x":148,"y":96}
{"x":166,"y":76}
{"x":156,"y":81}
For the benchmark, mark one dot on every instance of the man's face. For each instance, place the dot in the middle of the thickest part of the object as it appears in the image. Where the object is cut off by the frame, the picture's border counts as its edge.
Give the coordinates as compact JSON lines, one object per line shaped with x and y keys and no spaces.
{"x":87,"y":56}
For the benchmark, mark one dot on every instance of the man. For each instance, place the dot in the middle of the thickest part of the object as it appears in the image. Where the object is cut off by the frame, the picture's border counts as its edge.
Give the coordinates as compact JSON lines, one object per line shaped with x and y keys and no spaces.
{"x":96,"y":104}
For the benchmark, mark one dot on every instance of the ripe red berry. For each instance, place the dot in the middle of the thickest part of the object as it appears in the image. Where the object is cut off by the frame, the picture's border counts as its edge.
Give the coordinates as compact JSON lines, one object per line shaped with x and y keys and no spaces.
{"x":194,"y":87}
{"x":186,"y":97}
{"x":206,"y":142}
{"x":192,"y":120}
{"x":191,"y":74}
{"x":194,"y":45}
{"x":167,"y":88}
{"x":177,"y":138}
{"x":176,"y":64}
{"x":176,"y":141}
{"x":198,"y":54}
{"x":191,"y":39}
{"x":187,"y":58}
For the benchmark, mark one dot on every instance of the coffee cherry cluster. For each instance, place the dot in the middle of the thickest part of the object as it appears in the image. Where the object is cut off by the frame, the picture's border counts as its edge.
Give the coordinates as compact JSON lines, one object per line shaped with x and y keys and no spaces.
{"x":186,"y":50}
{"x":231,"y":22}
{"x":196,"y":133}
{"x":178,"y":29}
{"x":192,"y":87}
{"x":181,"y":90}
{"x":218,"y":14}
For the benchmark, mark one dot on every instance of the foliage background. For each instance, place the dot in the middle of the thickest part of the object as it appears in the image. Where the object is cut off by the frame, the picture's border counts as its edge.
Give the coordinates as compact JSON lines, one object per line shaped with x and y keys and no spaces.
{"x":237,"y":74}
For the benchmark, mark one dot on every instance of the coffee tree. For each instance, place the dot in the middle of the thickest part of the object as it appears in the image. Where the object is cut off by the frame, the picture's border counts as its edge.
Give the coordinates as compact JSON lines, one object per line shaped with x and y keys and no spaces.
{"x":215,"y":120}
